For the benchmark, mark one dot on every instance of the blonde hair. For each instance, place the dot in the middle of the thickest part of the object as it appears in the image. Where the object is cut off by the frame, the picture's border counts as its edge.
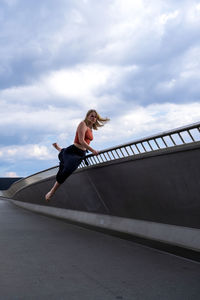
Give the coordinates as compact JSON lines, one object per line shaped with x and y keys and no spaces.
{"x":99,"y":121}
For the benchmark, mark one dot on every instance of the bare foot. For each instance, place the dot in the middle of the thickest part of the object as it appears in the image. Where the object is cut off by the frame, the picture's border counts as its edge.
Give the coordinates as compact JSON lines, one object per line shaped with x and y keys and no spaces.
{"x":48,"y":196}
{"x":55,"y":145}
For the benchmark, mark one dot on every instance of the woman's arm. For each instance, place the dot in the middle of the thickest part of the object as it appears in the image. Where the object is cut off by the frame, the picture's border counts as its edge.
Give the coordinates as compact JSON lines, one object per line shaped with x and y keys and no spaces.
{"x":81,"y":135}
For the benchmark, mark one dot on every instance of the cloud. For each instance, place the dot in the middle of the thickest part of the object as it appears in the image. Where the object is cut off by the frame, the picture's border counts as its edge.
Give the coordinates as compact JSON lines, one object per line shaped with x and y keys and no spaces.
{"x":30,"y":35}
{"x":136,"y":62}
{"x":11,"y":174}
{"x":130,"y":32}
{"x":54,"y":103}
{"x":71,"y":84}
{"x":139,"y":122}
{"x":26,"y":160}
{"x":38,"y":152}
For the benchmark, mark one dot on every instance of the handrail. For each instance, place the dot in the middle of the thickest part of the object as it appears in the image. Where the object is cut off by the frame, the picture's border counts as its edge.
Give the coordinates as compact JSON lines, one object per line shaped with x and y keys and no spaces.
{"x":167,"y":139}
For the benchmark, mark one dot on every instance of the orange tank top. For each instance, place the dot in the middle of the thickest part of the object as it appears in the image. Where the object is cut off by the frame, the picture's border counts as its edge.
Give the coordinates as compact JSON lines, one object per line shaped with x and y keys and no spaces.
{"x":88,"y":137}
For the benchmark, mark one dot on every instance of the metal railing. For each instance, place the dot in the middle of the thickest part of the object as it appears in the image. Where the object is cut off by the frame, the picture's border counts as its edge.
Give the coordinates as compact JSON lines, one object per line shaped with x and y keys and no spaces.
{"x":180,"y":136}
{"x":170,"y":139}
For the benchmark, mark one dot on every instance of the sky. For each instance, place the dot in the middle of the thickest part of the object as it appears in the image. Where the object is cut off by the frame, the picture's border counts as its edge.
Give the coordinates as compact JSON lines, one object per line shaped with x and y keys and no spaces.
{"x":136,"y":62}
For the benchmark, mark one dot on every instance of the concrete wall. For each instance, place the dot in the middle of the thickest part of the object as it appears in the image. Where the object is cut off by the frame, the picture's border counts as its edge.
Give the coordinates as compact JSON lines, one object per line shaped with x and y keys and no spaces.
{"x":160,"y":190}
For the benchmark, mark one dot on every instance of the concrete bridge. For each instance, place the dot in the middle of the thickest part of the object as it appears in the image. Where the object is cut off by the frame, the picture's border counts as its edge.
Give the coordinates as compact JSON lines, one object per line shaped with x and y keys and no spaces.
{"x":124,"y":227}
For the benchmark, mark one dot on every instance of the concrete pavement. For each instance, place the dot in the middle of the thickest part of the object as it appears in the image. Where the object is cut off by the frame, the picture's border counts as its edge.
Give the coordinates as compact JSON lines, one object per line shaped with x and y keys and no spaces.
{"x":45,"y":258}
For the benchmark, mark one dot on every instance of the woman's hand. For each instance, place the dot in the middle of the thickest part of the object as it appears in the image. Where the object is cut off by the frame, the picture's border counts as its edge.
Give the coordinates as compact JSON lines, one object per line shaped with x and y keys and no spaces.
{"x":95,"y":152}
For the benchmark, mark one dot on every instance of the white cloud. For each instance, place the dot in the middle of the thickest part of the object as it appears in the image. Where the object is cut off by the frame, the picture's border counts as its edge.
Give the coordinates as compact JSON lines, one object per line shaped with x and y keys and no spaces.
{"x":10,"y":174}
{"x":81,"y":85}
{"x":134,"y":123}
{"x":193,"y":13}
{"x":143,"y":121}
{"x":164,"y":18}
{"x":80,"y":82}
{"x":136,"y":62}
{"x":37,"y":152}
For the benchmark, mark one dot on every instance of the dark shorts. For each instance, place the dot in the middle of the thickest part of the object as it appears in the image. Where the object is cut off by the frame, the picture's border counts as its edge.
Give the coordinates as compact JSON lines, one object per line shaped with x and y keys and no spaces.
{"x":70,"y":158}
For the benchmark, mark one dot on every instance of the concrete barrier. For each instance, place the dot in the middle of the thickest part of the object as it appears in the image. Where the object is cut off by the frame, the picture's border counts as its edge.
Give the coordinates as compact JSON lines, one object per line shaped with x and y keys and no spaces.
{"x":155,"y":195}
{"x":176,"y":235}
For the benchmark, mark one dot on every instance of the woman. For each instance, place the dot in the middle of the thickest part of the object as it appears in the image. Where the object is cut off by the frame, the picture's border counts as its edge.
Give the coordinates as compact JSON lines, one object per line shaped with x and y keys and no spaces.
{"x":71,"y":157}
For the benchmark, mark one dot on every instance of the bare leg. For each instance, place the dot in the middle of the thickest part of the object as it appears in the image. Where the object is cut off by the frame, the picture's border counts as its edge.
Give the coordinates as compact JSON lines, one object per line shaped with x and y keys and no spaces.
{"x":55,"y":145}
{"x":52,"y":191}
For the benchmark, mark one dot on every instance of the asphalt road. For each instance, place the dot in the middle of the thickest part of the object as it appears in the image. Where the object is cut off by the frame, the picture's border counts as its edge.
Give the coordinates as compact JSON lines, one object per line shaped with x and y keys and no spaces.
{"x":45,"y":258}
